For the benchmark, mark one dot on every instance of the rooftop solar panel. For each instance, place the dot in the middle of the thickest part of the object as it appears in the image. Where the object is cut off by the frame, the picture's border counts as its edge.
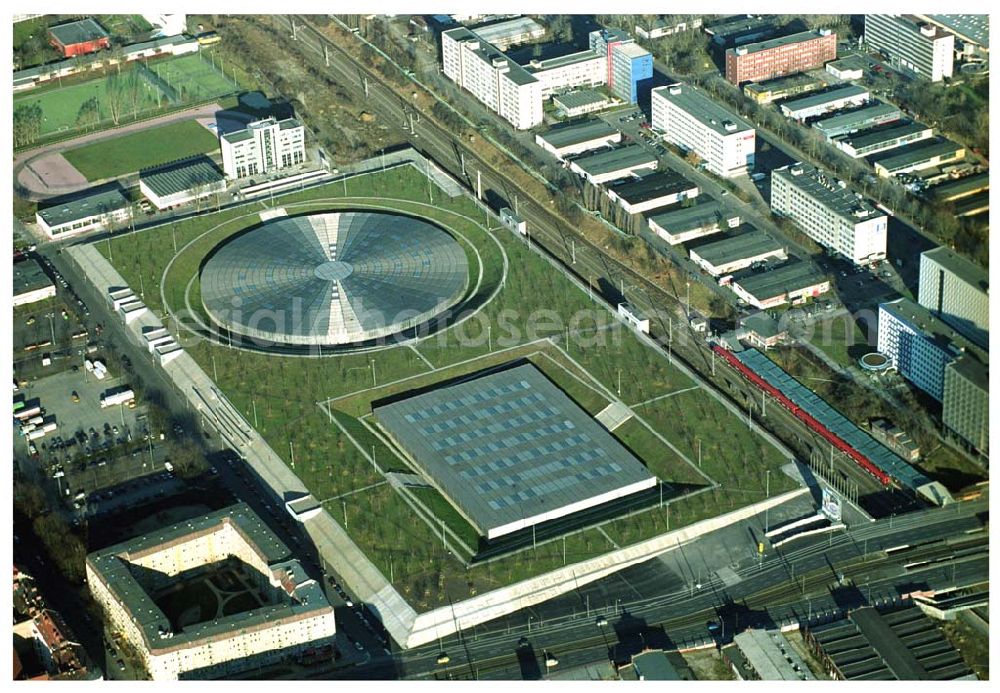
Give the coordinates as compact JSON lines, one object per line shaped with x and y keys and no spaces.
{"x":510,"y":450}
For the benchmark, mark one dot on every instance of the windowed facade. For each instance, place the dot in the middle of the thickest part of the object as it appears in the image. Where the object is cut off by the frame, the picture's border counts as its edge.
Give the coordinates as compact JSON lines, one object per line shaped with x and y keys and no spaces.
{"x":265,"y":146}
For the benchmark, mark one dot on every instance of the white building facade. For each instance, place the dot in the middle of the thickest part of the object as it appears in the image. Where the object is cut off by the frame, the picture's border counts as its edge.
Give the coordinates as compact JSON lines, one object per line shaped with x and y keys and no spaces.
{"x":499,"y":83}
{"x":266,"y":145}
{"x":689,"y":119}
{"x":583,"y":69}
{"x":913,"y":46}
{"x":956,"y":291}
{"x":829,"y":213}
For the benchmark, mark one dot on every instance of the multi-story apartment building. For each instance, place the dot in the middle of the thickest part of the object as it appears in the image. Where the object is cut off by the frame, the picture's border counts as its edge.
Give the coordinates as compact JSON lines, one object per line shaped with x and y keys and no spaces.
{"x":583,"y":69}
{"x":956,"y":291}
{"x":918,"y":48}
{"x":264,"y":146}
{"x":754,"y":62}
{"x":942,"y":363}
{"x":498,"y":82}
{"x":631,"y":72}
{"x":691,"y":120}
{"x":133,"y":582}
{"x":829,"y":212}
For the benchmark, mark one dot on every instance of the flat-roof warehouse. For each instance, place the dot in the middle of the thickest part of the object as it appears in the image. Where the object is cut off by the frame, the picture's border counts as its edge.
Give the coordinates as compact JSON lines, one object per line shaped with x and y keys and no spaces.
{"x":880,"y":139}
{"x":919,"y":156}
{"x":793,"y":283}
{"x":652,"y":191}
{"x":681,"y":224}
{"x":574,"y":139}
{"x":869,"y":116}
{"x":510,"y":450}
{"x":739,"y":252}
{"x":618,"y":163}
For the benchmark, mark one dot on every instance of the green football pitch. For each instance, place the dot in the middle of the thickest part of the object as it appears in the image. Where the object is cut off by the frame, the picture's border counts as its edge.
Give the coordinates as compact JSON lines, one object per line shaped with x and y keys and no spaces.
{"x":118,"y":156}
{"x":190,"y":77}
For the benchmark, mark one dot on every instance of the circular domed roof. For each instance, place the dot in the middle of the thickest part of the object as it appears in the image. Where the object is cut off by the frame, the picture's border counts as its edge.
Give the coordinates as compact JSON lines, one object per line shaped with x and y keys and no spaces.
{"x":335,"y":278}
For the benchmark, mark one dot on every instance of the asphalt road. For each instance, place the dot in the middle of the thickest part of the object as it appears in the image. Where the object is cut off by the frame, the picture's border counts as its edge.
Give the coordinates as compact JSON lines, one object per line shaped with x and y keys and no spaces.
{"x":765,"y":595}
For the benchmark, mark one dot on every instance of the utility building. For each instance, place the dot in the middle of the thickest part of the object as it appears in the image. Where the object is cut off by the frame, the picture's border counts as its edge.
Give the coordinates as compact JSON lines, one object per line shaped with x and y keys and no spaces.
{"x":846,"y":96}
{"x":619,"y":163}
{"x":181,"y":182}
{"x":96,"y":211}
{"x":79,"y":38}
{"x":829,"y":212}
{"x":652,"y":191}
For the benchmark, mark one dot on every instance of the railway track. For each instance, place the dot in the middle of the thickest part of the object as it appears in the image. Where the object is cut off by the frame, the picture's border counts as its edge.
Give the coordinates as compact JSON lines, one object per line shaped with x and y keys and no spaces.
{"x":609,"y":278}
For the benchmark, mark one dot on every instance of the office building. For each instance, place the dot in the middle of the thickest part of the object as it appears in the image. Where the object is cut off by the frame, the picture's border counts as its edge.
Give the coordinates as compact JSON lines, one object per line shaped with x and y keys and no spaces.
{"x":661,"y":27}
{"x":956,"y":291}
{"x":881,"y":139}
{"x":139,"y":585}
{"x":919,"y":156}
{"x":846,"y":96}
{"x":689,"y":119}
{"x":678,"y":224}
{"x":567,"y":140}
{"x":495,"y":80}
{"x":582,"y":69}
{"x":631,"y":72}
{"x":755,"y":62}
{"x":829,"y":212}
{"x":782,"y":88}
{"x":794,"y":283}
{"x":603,"y":42}
{"x":264,"y":146}
{"x":652,"y":191}
{"x":580,"y":102}
{"x":31,"y":284}
{"x":511,"y":32}
{"x":920,"y":345}
{"x":739,"y":252}
{"x":509,"y":450}
{"x":96,"y":211}
{"x":624,"y":162}
{"x":966,"y":405}
{"x":79,"y":38}
{"x":877,"y":113}
{"x":181,"y":182}
{"x":913,"y":46}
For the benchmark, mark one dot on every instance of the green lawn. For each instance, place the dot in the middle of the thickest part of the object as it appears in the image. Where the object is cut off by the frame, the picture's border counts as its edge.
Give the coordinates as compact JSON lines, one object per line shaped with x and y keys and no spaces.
{"x":129,"y":153}
{"x":536,"y":301}
{"x":195,"y":77}
{"x":840,"y":338}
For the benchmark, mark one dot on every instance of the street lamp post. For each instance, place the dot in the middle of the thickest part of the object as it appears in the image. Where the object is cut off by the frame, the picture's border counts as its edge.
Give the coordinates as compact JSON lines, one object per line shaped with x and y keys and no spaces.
{"x":767,"y":492}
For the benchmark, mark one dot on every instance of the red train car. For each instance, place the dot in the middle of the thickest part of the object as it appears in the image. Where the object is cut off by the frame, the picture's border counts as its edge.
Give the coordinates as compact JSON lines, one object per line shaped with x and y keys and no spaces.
{"x":804,"y":416}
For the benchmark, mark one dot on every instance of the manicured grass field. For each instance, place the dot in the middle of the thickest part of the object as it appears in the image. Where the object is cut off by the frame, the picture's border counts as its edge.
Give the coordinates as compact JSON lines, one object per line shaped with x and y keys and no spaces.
{"x":193,"y":76}
{"x":60,"y":106}
{"x":279,"y":395}
{"x":129,"y":153}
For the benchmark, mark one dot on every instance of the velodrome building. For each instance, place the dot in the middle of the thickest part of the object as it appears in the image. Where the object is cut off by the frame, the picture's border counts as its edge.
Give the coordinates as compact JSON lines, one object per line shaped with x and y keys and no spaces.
{"x":136,"y":580}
